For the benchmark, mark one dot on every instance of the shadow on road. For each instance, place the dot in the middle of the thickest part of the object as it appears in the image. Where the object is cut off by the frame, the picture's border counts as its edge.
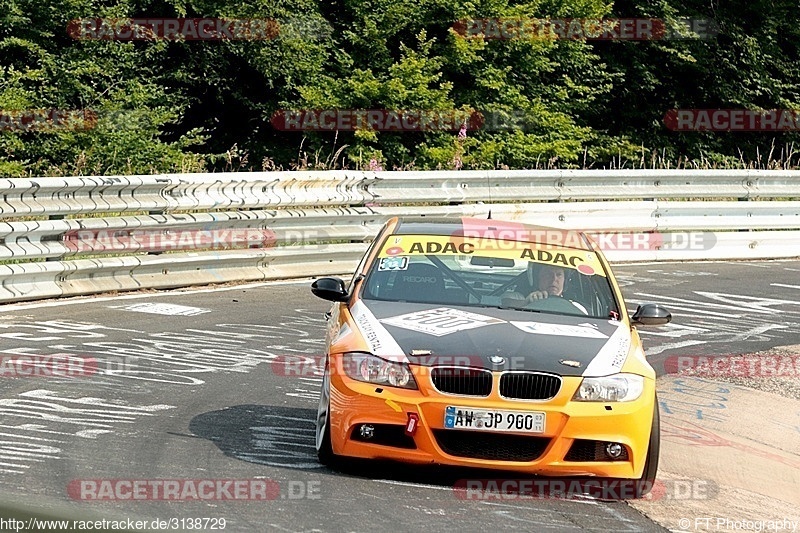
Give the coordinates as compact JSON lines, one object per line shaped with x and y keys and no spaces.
{"x":284,"y":437}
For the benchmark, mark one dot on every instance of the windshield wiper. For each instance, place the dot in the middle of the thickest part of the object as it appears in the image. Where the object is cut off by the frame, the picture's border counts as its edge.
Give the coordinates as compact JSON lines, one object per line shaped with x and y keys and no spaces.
{"x":505,"y":307}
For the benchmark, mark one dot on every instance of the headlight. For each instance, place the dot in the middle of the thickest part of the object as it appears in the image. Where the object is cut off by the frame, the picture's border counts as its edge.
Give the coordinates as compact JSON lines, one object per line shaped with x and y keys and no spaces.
{"x":371,"y":369}
{"x":616,"y":388}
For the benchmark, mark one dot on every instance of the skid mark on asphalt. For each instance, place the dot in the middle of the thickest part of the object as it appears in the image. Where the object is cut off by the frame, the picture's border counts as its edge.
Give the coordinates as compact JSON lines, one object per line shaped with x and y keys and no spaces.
{"x":85,"y":417}
{"x":162,"y":309}
{"x":546,"y":519}
{"x":39,"y":424}
{"x":308,"y":389}
{"x":714,"y":318}
{"x":177,"y":292}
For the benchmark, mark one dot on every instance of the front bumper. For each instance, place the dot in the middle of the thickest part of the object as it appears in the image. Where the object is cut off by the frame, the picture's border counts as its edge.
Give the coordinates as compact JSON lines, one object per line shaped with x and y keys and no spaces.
{"x":354,"y":403}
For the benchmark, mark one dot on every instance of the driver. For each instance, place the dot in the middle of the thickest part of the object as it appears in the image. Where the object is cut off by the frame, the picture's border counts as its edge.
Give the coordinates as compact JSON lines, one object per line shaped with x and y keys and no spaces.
{"x":547,"y":281}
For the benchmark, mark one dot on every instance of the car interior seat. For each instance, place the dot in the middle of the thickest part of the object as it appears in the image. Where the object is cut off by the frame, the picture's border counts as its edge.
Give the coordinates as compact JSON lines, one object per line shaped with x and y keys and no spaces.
{"x":421,"y":282}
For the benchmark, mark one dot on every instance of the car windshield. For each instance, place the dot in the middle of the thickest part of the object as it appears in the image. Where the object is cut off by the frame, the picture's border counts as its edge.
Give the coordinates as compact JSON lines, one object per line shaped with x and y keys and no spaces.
{"x":448,"y":270}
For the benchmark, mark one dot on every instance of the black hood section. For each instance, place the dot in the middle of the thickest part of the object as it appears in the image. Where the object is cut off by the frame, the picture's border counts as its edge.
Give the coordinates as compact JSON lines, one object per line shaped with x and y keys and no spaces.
{"x":522,"y":350}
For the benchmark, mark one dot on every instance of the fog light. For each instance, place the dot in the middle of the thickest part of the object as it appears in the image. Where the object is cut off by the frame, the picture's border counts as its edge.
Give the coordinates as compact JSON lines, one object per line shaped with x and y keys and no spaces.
{"x":613,"y":450}
{"x":367,"y":431}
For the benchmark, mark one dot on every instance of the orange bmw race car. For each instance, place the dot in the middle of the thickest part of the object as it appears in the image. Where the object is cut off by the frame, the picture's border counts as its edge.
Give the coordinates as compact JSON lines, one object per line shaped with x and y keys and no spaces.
{"x":489,"y":344}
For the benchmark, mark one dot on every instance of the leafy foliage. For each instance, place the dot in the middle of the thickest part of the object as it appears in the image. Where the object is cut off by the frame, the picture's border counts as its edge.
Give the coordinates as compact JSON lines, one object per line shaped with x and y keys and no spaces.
{"x":187,"y":106}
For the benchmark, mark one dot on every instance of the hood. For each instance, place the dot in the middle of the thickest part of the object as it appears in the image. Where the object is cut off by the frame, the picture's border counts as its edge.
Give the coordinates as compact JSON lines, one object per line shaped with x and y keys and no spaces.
{"x":433,"y":334}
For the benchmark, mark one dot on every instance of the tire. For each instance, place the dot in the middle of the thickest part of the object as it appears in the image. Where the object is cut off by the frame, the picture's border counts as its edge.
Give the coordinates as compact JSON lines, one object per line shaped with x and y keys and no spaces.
{"x":323,"y":424}
{"x":645,"y":483}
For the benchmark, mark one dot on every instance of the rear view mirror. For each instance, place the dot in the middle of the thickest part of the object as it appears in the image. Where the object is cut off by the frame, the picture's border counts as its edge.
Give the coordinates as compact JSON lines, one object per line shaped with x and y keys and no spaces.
{"x":651,"y":315}
{"x":491,"y":262}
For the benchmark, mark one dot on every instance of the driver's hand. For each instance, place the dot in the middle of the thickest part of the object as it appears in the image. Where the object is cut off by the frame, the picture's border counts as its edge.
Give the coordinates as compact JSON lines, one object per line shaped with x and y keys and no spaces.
{"x":513,"y":299}
{"x":537,"y":295}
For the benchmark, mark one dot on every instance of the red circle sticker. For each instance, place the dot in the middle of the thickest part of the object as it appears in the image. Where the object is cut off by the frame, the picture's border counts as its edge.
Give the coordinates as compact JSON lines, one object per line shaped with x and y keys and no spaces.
{"x":586,"y":269}
{"x":394,"y":250}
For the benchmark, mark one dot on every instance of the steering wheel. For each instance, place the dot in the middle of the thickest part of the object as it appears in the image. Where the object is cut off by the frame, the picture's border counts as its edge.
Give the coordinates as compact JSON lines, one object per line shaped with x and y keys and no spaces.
{"x":553,"y":303}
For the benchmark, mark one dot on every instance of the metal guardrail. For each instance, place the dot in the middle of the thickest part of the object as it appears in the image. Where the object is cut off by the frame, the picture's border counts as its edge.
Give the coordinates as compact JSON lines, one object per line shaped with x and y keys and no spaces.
{"x":254,"y":190}
{"x":253,"y":226}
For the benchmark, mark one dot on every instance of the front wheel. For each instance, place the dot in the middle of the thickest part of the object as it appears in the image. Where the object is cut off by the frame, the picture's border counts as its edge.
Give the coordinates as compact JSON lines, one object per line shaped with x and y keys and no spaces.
{"x":645,"y":484}
{"x":323,"y":433}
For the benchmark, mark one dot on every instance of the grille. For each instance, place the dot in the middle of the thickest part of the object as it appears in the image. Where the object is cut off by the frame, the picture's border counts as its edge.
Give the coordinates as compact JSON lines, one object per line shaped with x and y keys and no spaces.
{"x":386,"y":435}
{"x":592,"y":450}
{"x":529,"y":385}
{"x":461,"y":380}
{"x":490,"y":446}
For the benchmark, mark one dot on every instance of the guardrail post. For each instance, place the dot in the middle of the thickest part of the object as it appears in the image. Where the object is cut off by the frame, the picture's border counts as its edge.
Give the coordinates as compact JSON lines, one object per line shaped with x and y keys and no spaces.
{"x":155,"y":213}
{"x":54,"y":217}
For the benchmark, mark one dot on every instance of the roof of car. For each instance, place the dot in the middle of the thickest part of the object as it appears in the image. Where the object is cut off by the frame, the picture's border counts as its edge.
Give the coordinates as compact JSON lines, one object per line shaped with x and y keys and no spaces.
{"x":491,"y":228}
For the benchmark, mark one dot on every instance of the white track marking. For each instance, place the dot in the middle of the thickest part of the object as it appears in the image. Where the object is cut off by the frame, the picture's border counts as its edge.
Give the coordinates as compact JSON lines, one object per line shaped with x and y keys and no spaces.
{"x":160,"y":294}
{"x":785,"y":285}
{"x":671,"y":346}
{"x":409,"y":484}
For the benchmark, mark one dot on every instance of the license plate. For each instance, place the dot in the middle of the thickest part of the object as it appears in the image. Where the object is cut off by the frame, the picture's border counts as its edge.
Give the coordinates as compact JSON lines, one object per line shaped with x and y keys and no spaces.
{"x":490,"y":420}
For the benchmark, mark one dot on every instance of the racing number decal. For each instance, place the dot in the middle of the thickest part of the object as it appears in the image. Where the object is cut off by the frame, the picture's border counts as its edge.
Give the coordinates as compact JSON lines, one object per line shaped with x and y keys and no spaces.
{"x":441,"y":321}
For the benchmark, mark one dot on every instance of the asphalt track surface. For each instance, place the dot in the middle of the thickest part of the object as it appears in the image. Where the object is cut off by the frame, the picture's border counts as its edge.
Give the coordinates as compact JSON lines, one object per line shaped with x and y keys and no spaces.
{"x":194,"y":392}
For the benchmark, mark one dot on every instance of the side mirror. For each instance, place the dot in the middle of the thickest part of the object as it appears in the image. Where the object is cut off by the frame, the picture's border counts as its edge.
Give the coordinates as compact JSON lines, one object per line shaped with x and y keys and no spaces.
{"x":332,"y":289}
{"x":651,"y":315}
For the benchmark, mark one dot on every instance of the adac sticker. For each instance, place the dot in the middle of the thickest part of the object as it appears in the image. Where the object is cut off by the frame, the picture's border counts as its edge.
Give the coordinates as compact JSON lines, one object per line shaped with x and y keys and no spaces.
{"x":393,"y":263}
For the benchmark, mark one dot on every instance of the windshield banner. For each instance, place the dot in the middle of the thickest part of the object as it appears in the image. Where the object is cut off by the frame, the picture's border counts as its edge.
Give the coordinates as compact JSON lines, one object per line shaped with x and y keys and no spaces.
{"x":583,"y":261}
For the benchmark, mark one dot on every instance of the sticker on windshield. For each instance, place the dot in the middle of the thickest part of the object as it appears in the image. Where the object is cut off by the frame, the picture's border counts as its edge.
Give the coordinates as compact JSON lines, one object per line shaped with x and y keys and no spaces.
{"x":520,"y":251}
{"x":441,"y":321}
{"x":564,"y":330}
{"x":393,"y":263}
